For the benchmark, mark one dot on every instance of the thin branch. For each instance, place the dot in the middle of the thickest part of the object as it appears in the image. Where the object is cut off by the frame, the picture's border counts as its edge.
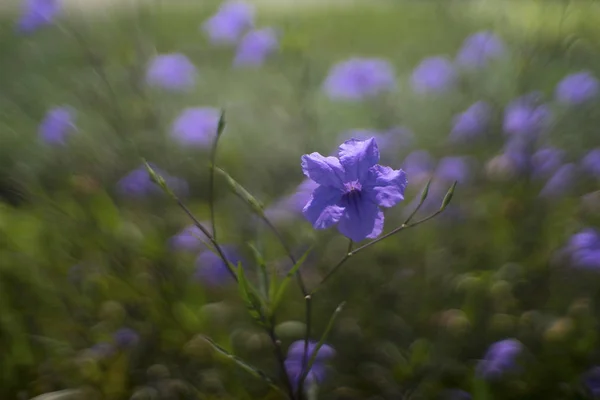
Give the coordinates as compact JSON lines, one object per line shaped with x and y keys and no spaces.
{"x":208,"y":235}
{"x":371,"y":243}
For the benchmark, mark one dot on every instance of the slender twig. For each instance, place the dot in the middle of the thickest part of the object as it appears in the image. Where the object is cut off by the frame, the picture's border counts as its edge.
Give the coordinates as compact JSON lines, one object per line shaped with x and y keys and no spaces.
{"x":211,"y":186}
{"x":280,"y":359}
{"x":208,"y":235}
{"x":305,"y":293}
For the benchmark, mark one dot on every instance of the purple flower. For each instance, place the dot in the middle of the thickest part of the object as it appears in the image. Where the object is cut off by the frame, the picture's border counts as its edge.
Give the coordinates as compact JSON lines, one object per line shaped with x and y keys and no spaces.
{"x":210,"y":268}
{"x":126,"y":338}
{"x":515,"y":160}
{"x":190,"y":239}
{"x":434,"y":75}
{"x":561,"y":182}
{"x":591,"y":380}
{"x":295,"y":361}
{"x":229,"y":23}
{"x":36,"y":14}
{"x":577,"y":88}
{"x":196,"y":127}
{"x":452,"y":169}
{"x":584,"y":249}
{"x":471,"y":123}
{"x":57,"y":125}
{"x":500,"y":358}
{"x":173,"y":72}
{"x":479,"y":48}
{"x":546,"y":161}
{"x":351,"y":189}
{"x":138,"y":184}
{"x":591,"y":163}
{"x":359,"y":78}
{"x":296,"y":351}
{"x":526,"y":116}
{"x":255,"y":47}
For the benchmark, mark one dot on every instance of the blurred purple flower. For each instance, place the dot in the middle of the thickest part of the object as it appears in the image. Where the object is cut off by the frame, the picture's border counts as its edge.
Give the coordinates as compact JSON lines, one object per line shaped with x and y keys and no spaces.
{"x":291,"y":206}
{"x":102,"y":350}
{"x":351,"y":189}
{"x":189,"y":239}
{"x":479,"y":48}
{"x":584,"y":249}
{"x":255,"y":47}
{"x":419,"y":166}
{"x":359,"y":78}
{"x":577,"y":88}
{"x":400,"y":135}
{"x":434,"y":75}
{"x":591,"y":381}
{"x":296,"y":351}
{"x":229,"y":23}
{"x":471,"y":123}
{"x":211,"y":270}
{"x":137,"y":184}
{"x":196,"y":126}
{"x":499,"y":359}
{"x":452,"y":169}
{"x":57,"y":125}
{"x":295,"y":359}
{"x":591,"y":163}
{"x":526,"y":116}
{"x":173,"y":72}
{"x":546,"y":161}
{"x":36,"y":14}
{"x":126,"y":338}
{"x":561,"y":182}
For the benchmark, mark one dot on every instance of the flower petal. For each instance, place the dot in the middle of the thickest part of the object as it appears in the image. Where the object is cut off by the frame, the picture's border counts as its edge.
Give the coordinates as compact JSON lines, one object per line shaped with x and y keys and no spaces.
{"x":357,"y":156}
{"x":385,"y":185}
{"x":362,"y":219}
{"x":323,"y":209}
{"x":323,"y":170}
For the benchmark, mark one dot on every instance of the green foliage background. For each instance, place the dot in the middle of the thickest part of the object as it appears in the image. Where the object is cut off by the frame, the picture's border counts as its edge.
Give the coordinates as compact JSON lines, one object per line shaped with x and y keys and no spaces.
{"x":421,"y":308}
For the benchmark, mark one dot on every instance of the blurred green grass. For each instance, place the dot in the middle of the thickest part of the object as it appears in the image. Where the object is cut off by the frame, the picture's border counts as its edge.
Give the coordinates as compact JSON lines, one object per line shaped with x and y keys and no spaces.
{"x":275,"y":114}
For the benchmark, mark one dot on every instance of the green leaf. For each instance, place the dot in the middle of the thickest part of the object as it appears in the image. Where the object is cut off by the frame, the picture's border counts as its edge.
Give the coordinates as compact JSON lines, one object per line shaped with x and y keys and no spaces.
{"x":253,"y":303}
{"x":276,"y":299}
{"x":245,"y":366}
{"x":242,"y":193}
{"x":262,"y":270}
{"x":313,"y":356}
{"x":448,"y":196}
{"x":221,"y":125}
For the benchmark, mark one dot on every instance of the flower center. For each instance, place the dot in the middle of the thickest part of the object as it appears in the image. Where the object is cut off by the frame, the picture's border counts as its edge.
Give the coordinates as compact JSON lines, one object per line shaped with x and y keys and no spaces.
{"x":353,"y":192}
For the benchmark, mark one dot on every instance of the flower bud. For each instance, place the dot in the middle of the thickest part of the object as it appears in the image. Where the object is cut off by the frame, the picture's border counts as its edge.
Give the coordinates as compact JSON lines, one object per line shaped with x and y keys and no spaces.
{"x":559,"y":330}
{"x":456,"y":322}
{"x":290,"y":329}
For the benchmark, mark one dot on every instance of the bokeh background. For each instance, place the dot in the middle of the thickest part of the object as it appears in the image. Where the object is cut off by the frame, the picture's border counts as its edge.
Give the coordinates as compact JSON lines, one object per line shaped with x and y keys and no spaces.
{"x":103,"y":290}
